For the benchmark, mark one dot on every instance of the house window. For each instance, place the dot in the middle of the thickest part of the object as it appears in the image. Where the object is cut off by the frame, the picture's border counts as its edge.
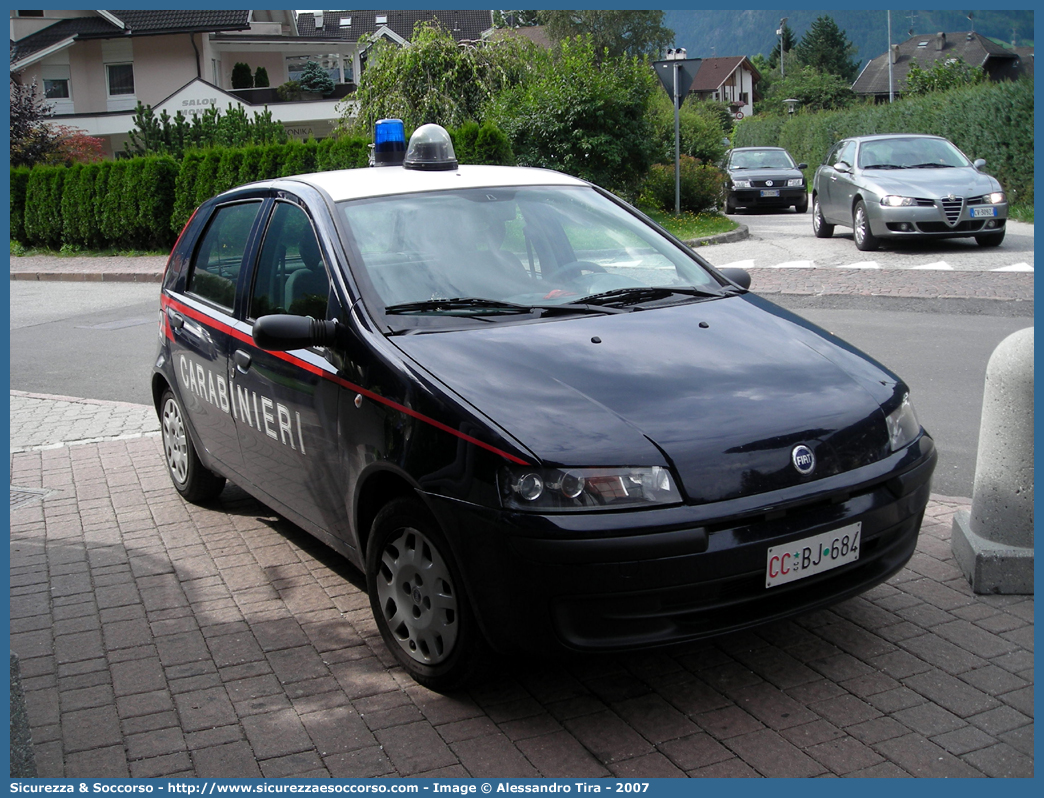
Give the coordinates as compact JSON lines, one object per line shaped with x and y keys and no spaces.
{"x":295,"y":65}
{"x":382,"y":19}
{"x":30,"y":13}
{"x":346,"y":22}
{"x":56,"y":89}
{"x":744,"y":98}
{"x":120,"y":79}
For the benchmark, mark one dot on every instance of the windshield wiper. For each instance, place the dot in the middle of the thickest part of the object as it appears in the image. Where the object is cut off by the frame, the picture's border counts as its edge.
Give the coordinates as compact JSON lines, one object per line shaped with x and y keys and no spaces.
{"x":884,"y":166}
{"x":634,"y":296}
{"x":477,"y":306}
{"x":931,"y":166}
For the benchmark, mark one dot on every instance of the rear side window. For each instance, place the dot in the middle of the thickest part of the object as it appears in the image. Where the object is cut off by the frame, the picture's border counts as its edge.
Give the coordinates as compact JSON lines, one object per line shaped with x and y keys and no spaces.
{"x":220,"y":254}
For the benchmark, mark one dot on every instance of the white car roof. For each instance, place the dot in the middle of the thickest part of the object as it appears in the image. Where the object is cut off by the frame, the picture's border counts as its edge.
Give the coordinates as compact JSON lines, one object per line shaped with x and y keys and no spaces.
{"x":381,"y":181}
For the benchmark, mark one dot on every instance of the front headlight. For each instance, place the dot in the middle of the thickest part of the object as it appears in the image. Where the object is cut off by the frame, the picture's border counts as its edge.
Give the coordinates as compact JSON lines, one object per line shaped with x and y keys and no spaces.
{"x":996,"y":198}
{"x":903,"y":427}
{"x":741,"y":184}
{"x":895,"y":201}
{"x":577,"y":489}
{"x":795,"y":182}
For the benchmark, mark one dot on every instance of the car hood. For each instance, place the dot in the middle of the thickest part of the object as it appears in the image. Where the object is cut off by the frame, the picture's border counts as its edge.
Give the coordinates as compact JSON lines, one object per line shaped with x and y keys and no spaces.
{"x":722,"y":390}
{"x":764,"y":174}
{"x":931,"y":183}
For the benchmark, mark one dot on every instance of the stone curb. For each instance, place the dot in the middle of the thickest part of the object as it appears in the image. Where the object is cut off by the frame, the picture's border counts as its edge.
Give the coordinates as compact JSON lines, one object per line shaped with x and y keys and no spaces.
{"x":90,"y":277}
{"x":741,"y":233}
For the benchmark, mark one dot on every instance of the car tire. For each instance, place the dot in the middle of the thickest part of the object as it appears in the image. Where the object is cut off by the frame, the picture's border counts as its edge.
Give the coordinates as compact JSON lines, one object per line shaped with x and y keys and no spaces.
{"x":195,"y":482}
{"x":865,"y":241}
{"x":990,"y":239}
{"x":802,"y":206}
{"x":418,"y":598}
{"x":819,"y":224}
{"x":730,"y":204}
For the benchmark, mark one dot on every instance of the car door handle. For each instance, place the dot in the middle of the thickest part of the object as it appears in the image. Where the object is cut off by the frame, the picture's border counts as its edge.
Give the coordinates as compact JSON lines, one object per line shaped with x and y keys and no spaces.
{"x":177,"y":321}
{"x":242,"y":360}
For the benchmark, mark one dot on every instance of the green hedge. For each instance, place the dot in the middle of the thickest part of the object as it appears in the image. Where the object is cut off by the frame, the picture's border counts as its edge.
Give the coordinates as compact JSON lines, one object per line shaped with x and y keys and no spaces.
{"x":993,"y":121}
{"x":144,"y":202}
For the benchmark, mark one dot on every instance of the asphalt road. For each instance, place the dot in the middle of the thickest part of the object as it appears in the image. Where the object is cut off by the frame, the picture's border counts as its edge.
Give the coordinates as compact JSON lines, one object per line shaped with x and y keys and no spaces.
{"x":98,"y":341}
{"x":785,"y":239}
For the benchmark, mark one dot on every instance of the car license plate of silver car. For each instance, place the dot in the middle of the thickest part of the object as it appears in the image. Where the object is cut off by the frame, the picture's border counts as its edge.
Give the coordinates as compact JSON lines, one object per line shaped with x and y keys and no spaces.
{"x":770,"y":192}
{"x":987,"y":210}
{"x":801,"y":558}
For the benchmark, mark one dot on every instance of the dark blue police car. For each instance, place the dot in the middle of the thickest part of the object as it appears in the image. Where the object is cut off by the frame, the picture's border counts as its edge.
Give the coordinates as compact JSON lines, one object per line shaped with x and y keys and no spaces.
{"x":533,"y":418}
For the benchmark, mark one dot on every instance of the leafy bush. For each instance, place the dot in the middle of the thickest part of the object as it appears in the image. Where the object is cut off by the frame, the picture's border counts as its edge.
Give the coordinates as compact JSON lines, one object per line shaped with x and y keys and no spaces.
{"x":242,"y":77}
{"x":699,"y":125}
{"x":344,"y":152}
{"x":482,"y":144}
{"x":261,"y":78}
{"x":701,"y":186}
{"x":43,"y":202}
{"x":19,"y":183}
{"x":290,"y":91}
{"x":582,"y":117}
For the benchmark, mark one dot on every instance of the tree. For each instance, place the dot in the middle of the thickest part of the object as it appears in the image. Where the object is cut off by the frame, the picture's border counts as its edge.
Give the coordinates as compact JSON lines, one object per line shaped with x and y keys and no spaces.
{"x":435,"y":79}
{"x":242,"y":77}
{"x":32,"y":139}
{"x":943,"y":76}
{"x":789,"y":42}
{"x":582,"y":116}
{"x":315,"y":78}
{"x":825,"y":47}
{"x":617,"y":33}
{"x":261,"y":78}
{"x":814,"y":91}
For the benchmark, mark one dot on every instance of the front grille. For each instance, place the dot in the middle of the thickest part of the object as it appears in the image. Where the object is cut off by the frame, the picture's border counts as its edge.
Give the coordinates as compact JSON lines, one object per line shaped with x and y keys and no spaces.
{"x":952,"y":209}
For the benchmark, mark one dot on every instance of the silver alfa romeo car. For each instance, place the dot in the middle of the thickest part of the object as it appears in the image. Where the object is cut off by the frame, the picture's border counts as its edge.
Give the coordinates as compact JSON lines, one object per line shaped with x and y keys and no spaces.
{"x":906,"y":186}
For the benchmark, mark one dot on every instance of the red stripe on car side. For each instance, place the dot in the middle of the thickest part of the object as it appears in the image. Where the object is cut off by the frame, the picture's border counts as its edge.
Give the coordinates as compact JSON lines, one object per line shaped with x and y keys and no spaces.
{"x":296,"y":361}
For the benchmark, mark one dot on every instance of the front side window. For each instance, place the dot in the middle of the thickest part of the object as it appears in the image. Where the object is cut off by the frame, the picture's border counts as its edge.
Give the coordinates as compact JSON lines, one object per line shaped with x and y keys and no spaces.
{"x":291,"y":275}
{"x":219,"y":258}
{"x":521,"y":245}
{"x":120,"y":79}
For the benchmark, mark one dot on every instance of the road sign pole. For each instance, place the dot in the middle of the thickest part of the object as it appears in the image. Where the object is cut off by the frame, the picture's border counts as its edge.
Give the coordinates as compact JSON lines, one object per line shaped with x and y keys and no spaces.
{"x":677,"y":145}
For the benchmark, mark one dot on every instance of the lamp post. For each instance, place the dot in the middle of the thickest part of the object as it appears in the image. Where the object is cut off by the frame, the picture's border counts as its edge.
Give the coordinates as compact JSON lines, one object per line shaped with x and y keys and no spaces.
{"x":779,"y":33}
{"x":791,"y":105}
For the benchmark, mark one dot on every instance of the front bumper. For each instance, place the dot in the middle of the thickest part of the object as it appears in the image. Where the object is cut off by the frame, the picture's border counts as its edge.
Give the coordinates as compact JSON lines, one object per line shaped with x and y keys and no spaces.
{"x":754,"y":197}
{"x":928,"y":220}
{"x":618,"y":581}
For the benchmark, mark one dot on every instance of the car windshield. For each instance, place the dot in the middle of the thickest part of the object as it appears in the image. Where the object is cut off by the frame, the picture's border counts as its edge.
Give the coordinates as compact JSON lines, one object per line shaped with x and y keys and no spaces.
{"x":910,"y":154}
{"x":761,"y":159}
{"x":505,"y":251}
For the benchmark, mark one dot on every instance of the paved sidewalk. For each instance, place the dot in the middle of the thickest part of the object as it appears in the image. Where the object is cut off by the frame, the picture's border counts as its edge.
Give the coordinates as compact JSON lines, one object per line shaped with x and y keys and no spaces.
{"x":161,"y":639}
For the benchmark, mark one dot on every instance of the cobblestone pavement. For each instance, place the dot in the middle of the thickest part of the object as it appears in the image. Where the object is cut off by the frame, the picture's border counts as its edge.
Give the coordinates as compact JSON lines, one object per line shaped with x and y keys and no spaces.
{"x":158,"y":639}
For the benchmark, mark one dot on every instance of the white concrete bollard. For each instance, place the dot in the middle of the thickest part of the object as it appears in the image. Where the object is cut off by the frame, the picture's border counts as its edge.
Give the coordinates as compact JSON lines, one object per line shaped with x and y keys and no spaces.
{"x":993,"y":543}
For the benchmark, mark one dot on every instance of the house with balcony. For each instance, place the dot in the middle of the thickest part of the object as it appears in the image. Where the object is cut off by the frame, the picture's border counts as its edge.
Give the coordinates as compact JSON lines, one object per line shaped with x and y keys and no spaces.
{"x":94,"y":67}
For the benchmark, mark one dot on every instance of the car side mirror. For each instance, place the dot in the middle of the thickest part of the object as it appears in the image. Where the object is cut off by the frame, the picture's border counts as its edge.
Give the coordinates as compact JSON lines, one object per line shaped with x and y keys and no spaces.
{"x":802,"y":166}
{"x":841,"y":166}
{"x":740,"y":277}
{"x":281,"y":332}
{"x":978,"y":163}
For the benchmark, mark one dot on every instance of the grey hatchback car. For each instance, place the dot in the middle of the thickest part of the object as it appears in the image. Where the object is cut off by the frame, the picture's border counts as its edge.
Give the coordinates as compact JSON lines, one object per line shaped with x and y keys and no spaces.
{"x":906,"y":186}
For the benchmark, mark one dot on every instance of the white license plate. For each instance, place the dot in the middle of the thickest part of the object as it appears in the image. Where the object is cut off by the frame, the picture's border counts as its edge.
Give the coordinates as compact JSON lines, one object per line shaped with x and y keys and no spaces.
{"x":770,"y":192}
{"x":988,"y":210}
{"x":813,"y":555}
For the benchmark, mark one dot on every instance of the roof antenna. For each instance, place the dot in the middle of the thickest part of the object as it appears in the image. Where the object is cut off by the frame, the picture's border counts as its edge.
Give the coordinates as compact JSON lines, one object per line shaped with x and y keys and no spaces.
{"x":971,"y":19}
